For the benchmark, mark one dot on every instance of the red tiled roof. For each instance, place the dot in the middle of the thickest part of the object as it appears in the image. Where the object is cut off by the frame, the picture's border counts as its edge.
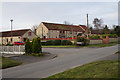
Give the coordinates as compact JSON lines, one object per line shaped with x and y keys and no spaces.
{"x":14,"y":33}
{"x":54,"y":26}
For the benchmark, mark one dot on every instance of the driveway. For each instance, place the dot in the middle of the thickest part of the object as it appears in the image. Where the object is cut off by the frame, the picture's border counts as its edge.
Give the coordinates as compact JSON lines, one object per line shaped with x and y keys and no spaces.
{"x":68,"y":58}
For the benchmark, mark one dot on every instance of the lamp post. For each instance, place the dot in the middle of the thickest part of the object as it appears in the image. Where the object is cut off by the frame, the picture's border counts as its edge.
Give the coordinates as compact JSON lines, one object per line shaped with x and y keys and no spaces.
{"x":11,"y":30}
{"x":87,"y":27}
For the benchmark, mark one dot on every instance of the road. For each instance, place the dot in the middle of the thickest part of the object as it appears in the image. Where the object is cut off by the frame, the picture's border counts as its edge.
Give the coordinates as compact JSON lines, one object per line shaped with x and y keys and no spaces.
{"x":68,"y":58}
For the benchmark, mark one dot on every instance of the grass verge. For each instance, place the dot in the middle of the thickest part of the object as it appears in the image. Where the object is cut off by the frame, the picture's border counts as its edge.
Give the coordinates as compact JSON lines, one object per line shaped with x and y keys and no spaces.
{"x":8,"y":62}
{"x":99,"y":69}
{"x":91,"y":45}
{"x":35,"y":54}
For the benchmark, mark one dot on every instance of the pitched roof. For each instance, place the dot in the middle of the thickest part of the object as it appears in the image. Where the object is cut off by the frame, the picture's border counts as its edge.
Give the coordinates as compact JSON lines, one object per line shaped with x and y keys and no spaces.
{"x":54,"y":26}
{"x":83,"y":26}
{"x":14,"y":33}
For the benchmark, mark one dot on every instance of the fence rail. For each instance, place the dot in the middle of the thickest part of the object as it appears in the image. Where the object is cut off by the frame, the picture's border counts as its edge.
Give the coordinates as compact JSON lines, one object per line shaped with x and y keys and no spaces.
{"x":12,"y":49}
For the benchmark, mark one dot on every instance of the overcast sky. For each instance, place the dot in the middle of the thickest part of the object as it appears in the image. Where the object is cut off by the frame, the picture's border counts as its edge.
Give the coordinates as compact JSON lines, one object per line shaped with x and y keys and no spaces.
{"x":27,"y":14}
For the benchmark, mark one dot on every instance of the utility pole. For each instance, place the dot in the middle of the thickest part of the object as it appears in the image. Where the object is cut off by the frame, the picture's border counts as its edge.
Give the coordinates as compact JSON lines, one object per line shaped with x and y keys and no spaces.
{"x":87,"y":26}
{"x":11,"y":30}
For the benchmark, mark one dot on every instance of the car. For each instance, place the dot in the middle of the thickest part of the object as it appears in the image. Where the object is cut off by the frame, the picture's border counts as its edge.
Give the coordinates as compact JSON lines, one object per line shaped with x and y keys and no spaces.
{"x":18,"y":43}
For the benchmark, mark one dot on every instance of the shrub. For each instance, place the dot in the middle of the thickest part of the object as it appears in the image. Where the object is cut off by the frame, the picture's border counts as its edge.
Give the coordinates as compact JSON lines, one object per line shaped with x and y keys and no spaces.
{"x":94,"y":36}
{"x":28,"y":47}
{"x":57,"y":42}
{"x":35,"y":46}
{"x":103,"y":36}
{"x":112,"y":35}
{"x":109,"y":35}
{"x":66,"y":42}
{"x":39,"y":45}
{"x":9,"y":44}
{"x":49,"y":42}
{"x":39,"y":54}
{"x":81,"y":39}
{"x":43,"y":43}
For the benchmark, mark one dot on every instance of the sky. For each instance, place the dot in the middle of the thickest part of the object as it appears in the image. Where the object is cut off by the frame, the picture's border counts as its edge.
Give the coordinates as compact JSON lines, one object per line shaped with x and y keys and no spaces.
{"x":27,"y":14}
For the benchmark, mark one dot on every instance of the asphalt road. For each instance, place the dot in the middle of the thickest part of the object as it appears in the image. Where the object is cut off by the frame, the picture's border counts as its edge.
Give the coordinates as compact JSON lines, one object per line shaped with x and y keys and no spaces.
{"x":68,"y":58}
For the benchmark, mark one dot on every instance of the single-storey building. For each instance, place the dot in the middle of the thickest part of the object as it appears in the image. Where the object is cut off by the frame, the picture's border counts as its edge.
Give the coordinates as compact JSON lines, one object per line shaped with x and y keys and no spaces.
{"x":17,"y":35}
{"x":54,"y":30}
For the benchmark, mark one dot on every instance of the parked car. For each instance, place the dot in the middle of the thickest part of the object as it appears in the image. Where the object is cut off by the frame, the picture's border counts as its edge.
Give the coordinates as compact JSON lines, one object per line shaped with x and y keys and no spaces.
{"x":18,"y":43}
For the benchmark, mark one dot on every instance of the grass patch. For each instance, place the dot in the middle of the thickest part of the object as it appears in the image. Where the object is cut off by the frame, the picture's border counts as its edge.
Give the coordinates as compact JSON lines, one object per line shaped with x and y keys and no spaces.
{"x":59,"y":46}
{"x":91,"y":45}
{"x":35,"y":54}
{"x":99,"y":69}
{"x":8,"y":62}
{"x":103,"y":45}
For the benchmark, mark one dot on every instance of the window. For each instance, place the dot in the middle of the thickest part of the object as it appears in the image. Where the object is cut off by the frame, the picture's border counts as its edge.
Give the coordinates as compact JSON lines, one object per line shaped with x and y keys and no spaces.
{"x":60,"y":31}
{"x":63,"y":31}
{"x":70,"y":32}
{"x":7,"y":39}
{"x":19,"y":37}
{"x":11,"y":39}
{"x":29,"y":33}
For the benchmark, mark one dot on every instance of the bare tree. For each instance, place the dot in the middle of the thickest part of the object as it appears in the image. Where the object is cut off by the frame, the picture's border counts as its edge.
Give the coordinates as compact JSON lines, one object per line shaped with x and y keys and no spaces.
{"x":34,"y":28}
{"x":98,"y":23}
{"x":106,"y":29}
{"x":66,"y":22}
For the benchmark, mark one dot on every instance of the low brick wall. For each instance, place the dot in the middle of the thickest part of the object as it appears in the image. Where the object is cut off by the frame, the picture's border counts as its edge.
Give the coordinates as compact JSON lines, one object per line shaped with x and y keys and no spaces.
{"x":113,"y":39}
{"x":98,"y":41}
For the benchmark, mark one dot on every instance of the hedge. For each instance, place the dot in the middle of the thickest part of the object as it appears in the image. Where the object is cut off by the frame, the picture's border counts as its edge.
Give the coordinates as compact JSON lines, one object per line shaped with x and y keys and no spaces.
{"x":57,"y":42}
{"x":66,"y":42}
{"x":49,"y":42}
{"x":94,"y":36}
{"x":109,"y":35}
{"x":81,"y":39}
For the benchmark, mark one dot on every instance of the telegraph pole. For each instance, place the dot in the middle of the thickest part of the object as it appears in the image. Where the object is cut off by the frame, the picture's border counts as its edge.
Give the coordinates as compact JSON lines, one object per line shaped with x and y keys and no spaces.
{"x":11,"y":30}
{"x":87,"y":26}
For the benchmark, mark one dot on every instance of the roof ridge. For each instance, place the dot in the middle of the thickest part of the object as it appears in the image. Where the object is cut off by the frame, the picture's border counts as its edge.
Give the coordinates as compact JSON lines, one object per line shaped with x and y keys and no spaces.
{"x":17,"y":30}
{"x":60,"y":24}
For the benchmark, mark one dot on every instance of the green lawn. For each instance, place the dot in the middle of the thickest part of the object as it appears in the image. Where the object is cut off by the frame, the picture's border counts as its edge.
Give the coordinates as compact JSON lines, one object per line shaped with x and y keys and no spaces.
{"x":99,"y":69}
{"x":7,"y":62}
{"x":91,"y":45}
{"x":103,"y":45}
{"x":60,"y":46}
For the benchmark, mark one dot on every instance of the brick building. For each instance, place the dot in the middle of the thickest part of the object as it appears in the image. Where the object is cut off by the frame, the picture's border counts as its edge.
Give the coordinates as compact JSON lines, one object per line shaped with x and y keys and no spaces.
{"x":17,"y":35}
{"x":53,"y":30}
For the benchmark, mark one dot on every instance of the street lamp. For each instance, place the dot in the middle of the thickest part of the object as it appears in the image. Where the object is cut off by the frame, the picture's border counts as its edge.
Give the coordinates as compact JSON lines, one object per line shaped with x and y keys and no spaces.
{"x":87,"y":27}
{"x":11,"y":30}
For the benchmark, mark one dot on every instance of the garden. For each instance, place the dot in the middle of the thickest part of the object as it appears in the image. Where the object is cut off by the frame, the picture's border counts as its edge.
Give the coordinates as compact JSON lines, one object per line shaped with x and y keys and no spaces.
{"x":92,"y":41}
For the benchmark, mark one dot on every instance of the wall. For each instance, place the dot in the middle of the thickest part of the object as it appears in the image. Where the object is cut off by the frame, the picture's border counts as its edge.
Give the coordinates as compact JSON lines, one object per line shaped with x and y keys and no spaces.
{"x":29,"y":37}
{"x":71,"y":33}
{"x":95,"y":41}
{"x":15,"y":39}
{"x":53,"y":34}
{"x":0,"y":40}
{"x":42,"y":30}
{"x":113,"y":39}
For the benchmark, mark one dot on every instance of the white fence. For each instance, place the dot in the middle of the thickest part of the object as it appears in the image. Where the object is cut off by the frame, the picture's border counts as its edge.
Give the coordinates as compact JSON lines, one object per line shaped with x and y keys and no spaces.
{"x":12,"y":49}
